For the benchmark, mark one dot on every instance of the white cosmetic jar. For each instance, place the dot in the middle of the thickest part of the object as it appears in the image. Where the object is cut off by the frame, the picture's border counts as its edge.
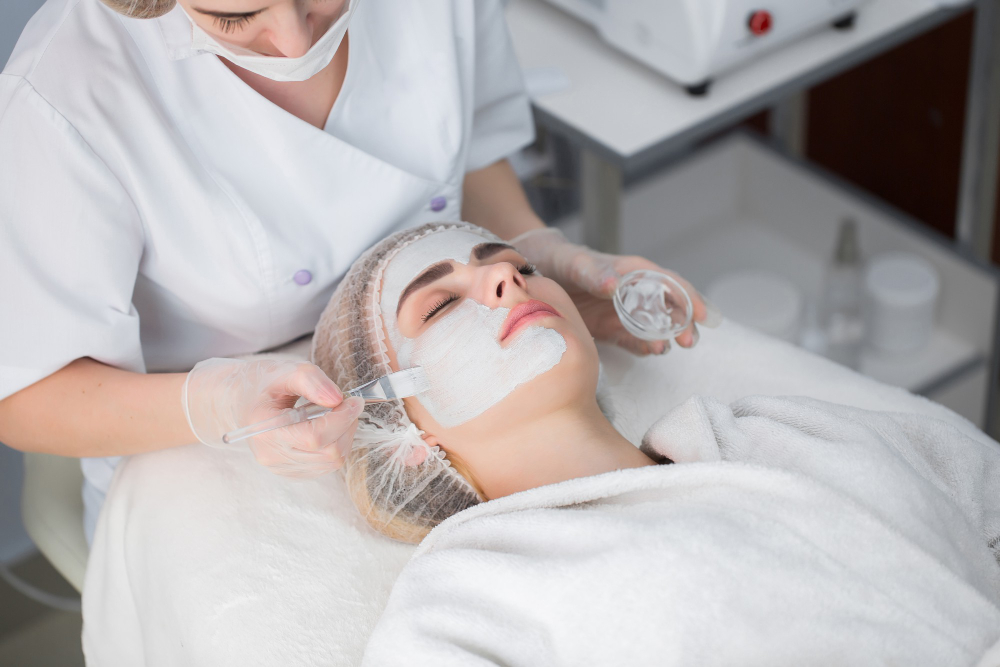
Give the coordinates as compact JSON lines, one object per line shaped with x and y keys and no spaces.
{"x":764,"y":301}
{"x":901,"y":295}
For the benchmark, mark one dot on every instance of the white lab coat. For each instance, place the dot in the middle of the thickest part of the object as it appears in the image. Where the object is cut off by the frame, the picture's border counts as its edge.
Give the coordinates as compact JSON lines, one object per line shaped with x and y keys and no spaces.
{"x":156,"y":211}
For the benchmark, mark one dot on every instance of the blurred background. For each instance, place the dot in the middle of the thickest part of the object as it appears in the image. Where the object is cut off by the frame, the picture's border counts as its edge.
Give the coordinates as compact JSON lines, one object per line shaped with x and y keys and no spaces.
{"x":836,"y":189}
{"x":32,"y":631}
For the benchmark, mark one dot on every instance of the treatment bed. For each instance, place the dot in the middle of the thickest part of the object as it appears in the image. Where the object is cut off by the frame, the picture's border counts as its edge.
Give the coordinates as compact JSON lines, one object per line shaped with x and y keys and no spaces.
{"x":201,"y":557}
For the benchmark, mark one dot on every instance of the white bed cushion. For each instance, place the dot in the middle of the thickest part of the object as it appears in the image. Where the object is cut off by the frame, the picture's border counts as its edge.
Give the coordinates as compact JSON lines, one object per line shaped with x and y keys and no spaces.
{"x":201,"y":557}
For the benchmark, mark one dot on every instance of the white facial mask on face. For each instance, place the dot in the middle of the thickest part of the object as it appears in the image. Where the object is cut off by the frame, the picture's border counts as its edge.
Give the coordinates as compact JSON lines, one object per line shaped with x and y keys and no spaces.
{"x":469,"y":371}
{"x":277,"y":68}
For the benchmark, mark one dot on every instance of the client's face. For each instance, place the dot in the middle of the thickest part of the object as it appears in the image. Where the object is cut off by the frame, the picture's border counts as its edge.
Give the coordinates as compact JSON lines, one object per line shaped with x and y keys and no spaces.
{"x":499,"y":343}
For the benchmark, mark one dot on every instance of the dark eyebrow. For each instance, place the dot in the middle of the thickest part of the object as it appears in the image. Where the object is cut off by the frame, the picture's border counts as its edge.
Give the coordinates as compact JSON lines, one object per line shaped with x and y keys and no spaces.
{"x":227,"y":15}
{"x":487,"y":250}
{"x":436,"y":272}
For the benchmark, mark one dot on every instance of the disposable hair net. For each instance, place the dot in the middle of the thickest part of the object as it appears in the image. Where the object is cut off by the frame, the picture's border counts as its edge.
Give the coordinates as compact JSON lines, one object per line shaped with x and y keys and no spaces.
{"x":402,"y":486}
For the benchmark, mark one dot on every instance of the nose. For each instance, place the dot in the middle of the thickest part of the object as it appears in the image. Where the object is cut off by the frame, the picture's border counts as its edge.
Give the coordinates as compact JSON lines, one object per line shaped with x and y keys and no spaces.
{"x":503,"y":285}
{"x":293,"y":33}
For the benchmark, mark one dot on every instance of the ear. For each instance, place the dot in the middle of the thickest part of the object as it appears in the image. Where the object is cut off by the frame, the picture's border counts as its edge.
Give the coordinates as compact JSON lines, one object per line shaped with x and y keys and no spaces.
{"x":419,"y":454}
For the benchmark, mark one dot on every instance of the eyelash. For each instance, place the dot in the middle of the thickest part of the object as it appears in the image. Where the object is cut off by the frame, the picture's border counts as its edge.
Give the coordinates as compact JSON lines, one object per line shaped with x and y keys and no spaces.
{"x":451,"y":298}
{"x":232,"y":25}
{"x":527,"y":269}
{"x":228,"y":25}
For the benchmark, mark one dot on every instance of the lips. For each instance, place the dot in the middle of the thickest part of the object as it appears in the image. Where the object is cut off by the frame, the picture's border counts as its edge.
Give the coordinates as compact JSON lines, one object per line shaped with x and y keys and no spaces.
{"x":525,"y":313}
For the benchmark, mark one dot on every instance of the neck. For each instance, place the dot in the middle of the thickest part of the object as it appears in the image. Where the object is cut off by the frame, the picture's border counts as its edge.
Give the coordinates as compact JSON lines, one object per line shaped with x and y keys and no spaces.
{"x":310,"y":100}
{"x":577,"y":441}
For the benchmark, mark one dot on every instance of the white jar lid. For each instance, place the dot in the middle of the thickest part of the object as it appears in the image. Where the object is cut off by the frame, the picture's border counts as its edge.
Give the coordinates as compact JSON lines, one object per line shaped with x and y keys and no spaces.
{"x":760,"y":300}
{"x":902,"y":279}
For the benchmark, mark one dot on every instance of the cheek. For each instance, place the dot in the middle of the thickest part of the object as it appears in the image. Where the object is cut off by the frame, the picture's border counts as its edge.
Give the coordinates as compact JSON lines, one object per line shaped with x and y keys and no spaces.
{"x":249,"y":37}
{"x":418,"y":414}
{"x":551,"y":293}
{"x":468,"y":370}
{"x":325,"y":13}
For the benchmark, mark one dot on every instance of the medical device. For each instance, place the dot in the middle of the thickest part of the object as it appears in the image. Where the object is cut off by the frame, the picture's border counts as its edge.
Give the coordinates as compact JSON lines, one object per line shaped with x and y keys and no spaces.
{"x":692,"y":41}
{"x":402,"y":384}
{"x":652,"y":305}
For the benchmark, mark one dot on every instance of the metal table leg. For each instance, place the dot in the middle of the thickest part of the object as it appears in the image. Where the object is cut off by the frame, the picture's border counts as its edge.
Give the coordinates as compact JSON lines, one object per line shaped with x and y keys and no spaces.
{"x":601,"y":201}
{"x":978,"y":196}
{"x":789,"y":122}
{"x":981,"y":153}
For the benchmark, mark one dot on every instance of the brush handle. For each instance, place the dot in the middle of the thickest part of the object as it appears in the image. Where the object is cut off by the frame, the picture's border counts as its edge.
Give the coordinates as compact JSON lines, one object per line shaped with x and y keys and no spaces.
{"x":291,"y":416}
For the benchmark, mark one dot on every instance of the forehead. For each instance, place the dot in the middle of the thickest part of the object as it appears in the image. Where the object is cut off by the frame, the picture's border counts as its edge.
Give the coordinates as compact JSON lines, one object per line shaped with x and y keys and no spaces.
{"x":453,"y":244}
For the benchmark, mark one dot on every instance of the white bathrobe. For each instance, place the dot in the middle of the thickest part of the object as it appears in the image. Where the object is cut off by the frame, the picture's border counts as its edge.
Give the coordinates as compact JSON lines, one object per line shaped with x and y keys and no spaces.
{"x":789,"y":532}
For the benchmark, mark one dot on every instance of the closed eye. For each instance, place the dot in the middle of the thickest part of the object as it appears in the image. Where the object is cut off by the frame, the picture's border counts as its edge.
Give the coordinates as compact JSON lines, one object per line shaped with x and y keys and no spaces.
{"x":233,"y":23}
{"x":439,"y":306}
{"x":527,"y":269}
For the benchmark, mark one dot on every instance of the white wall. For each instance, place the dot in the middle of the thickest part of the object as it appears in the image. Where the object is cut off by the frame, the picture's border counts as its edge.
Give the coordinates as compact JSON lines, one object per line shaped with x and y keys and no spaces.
{"x":13,"y":15}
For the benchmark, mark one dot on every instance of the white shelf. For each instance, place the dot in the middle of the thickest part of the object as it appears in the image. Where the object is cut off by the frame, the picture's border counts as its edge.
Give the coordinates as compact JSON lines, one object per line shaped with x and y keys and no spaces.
{"x":734,"y":243}
{"x":629,"y":108}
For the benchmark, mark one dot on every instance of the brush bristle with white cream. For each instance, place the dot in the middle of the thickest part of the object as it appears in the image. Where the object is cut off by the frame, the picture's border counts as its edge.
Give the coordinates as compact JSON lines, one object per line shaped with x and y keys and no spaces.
{"x":402,"y":384}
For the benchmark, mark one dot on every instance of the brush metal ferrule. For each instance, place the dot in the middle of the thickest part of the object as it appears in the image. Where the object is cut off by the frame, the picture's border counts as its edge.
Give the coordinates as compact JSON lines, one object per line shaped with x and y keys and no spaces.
{"x":372,"y":392}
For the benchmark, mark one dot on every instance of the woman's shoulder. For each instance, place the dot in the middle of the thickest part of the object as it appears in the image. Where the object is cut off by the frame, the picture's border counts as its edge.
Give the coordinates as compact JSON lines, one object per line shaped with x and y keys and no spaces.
{"x":70,"y":44}
{"x":85,"y":70}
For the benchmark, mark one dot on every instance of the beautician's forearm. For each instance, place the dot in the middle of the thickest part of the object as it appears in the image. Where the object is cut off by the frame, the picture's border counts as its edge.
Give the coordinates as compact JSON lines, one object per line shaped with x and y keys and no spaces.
{"x":90,"y":409}
{"x":493,"y":198}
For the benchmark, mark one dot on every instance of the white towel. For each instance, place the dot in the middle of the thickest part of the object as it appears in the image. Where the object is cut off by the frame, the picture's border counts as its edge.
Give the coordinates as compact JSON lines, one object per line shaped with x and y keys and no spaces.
{"x":792,"y":532}
{"x":217,"y":561}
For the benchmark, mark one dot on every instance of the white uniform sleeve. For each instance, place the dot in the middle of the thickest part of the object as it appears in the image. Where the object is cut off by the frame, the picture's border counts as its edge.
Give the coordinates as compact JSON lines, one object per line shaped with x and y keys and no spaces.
{"x":70,"y":245}
{"x":502,"y":122}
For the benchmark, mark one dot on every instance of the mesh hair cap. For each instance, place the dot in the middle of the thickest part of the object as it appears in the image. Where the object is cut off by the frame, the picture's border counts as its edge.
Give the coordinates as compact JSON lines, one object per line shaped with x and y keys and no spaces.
{"x":402,"y":486}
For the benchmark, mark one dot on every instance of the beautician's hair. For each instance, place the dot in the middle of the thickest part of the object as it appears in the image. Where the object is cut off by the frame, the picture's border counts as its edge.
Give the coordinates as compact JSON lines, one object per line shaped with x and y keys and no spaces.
{"x":141,"y":9}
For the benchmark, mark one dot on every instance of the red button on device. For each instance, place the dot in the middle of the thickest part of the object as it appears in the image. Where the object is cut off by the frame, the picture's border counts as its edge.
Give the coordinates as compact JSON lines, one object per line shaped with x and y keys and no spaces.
{"x":760,"y":22}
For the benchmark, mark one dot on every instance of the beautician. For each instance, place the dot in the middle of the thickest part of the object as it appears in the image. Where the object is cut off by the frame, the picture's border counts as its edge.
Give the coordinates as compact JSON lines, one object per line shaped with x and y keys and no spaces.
{"x":186,"y":182}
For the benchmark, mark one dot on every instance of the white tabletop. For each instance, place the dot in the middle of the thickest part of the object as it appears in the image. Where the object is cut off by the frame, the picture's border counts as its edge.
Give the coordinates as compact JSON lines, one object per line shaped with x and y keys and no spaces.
{"x":629,"y":114}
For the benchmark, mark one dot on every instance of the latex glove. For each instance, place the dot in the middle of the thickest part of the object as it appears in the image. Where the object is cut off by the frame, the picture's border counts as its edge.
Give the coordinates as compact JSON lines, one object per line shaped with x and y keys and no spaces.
{"x":222,"y":395}
{"x":591,"y":278}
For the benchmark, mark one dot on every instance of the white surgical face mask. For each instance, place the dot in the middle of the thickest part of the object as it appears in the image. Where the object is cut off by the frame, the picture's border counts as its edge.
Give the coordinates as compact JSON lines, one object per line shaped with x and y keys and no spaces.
{"x":469,"y":371}
{"x":278,"y":68}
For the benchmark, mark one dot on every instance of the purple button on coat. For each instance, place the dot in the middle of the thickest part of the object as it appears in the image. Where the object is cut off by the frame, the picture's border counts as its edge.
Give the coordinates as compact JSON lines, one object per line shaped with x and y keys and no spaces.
{"x":303,"y":277}
{"x":438,"y":204}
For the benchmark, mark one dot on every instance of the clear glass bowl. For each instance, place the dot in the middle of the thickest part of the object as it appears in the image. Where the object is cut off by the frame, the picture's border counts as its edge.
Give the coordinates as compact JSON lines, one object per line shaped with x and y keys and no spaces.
{"x":652,"y":305}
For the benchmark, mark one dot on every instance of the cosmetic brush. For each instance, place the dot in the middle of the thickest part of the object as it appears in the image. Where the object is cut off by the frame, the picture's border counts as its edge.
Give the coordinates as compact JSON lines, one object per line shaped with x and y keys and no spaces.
{"x":402,"y":384}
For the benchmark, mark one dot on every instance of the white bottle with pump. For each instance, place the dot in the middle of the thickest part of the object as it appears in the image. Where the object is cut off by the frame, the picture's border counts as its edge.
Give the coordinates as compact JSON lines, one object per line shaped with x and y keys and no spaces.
{"x":842,"y":319}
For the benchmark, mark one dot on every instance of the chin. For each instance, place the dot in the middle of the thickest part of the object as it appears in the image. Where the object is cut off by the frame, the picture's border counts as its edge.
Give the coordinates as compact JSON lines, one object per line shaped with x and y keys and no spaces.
{"x":573,"y":379}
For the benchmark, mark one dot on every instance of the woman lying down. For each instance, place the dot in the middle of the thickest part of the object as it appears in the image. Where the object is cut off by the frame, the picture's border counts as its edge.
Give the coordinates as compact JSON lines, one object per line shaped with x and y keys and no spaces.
{"x":769,"y":532}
